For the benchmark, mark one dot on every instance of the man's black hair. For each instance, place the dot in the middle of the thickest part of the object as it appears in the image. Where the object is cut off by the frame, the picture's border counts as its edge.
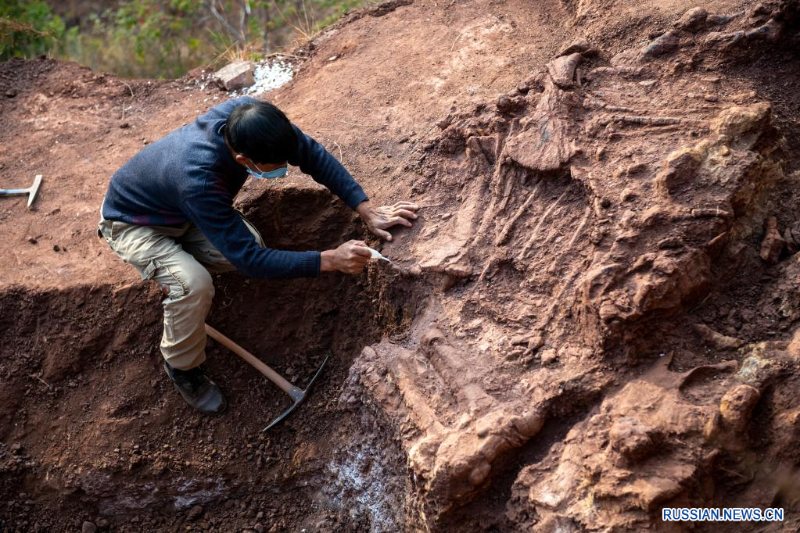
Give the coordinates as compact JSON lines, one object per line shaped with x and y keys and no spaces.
{"x":261,"y":132}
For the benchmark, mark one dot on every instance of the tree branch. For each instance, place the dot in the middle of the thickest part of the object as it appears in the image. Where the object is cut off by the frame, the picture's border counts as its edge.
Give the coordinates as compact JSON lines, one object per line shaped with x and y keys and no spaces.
{"x":237,"y":35}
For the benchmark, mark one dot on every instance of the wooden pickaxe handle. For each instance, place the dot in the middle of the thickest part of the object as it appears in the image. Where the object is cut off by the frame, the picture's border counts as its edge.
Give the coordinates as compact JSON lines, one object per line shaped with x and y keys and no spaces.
{"x":273,"y":376}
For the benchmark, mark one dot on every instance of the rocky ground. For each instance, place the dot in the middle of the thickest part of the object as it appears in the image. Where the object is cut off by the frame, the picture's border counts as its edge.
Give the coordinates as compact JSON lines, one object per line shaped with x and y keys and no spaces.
{"x":593,"y":318}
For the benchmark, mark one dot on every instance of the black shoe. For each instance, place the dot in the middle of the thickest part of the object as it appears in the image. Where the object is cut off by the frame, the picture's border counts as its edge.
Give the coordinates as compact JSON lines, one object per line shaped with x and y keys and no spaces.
{"x":198,"y":391}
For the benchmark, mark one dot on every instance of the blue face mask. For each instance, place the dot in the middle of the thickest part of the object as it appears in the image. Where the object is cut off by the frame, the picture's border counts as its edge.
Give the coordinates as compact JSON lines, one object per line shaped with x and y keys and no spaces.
{"x":271,"y":175}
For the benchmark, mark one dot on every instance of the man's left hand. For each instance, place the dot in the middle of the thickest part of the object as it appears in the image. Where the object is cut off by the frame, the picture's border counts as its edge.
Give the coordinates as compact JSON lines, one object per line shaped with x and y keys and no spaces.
{"x":379,"y":219}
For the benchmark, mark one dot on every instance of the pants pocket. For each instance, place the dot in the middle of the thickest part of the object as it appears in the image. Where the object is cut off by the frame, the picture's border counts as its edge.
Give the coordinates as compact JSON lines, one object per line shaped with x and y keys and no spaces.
{"x":104,"y":230}
{"x":109,"y":230}
{"x":166,"y":276}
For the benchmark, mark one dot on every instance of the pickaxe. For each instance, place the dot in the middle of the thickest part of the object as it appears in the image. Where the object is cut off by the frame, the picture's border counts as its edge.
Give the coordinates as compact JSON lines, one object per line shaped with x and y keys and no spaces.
{"x":295,"y":393}
{"x":30,"y":191}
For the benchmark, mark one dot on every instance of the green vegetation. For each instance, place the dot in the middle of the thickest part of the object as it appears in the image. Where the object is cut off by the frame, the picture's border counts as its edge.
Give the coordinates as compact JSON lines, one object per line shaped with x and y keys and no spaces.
{"x":28,"y":28}
{"x":161,"y":38}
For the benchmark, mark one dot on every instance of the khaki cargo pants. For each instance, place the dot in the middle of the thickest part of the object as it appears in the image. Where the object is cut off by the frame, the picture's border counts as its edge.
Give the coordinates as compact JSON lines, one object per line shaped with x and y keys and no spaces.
{"x":181,"y":260}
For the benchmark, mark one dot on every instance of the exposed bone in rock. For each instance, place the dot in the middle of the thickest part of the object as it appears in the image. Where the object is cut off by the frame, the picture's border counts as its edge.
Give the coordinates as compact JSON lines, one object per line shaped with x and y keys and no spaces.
{"x":590,"y":211}
{"x":737,"y":404}
{"x":651,"y":444}
{"x":680,"y":170}
{"x":769,"y":31}
{"x":455,"y":430}
{"x":579,"y":46}
{"x":544,"y":143}
{"x":716,"y":339}
{"x":725,"y":175}
{"x":632,"y":439}
{"x":724,"y":40}
{"x":773,"y":243}
{"x":741,"y":127}
{"x":693,"y":20}
{"x":562,"y":70}
{"x":665,"y":44}
{"x":507,"y":104}
{"x":649,"y":417}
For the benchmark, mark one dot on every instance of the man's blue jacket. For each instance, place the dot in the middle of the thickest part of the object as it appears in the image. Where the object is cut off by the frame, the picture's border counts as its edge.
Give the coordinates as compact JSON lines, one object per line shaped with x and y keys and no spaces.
{"x":191,"y":176}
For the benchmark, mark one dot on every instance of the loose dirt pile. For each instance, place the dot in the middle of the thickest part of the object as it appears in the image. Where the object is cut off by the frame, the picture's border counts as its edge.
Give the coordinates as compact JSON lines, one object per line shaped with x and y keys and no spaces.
{"x":592,"y":319}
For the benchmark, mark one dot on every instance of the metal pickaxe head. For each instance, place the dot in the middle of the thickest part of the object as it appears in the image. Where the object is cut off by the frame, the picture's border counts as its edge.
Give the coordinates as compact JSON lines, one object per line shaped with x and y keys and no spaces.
{"x":298,"y":396}
{"x":34,"y":189}
{"x":295,"y":393}
{"x":30,"y":191}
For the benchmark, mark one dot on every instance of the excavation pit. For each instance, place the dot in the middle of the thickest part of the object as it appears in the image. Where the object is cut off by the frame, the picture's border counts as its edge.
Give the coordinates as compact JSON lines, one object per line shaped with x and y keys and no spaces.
{"x":137,"y":446}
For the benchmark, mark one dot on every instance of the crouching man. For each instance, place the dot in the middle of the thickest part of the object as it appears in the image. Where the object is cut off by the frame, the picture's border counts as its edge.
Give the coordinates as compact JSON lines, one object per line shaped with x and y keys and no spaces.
{"x":169,"y":213}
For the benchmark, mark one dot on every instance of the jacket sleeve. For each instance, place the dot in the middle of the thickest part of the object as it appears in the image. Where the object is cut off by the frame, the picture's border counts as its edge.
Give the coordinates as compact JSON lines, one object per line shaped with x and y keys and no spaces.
{"x":212,"y":212}
{"x":314,"y":160}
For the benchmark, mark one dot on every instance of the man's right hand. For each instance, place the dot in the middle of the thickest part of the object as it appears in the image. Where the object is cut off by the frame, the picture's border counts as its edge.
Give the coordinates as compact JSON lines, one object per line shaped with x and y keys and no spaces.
{"x":350,"y":258}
